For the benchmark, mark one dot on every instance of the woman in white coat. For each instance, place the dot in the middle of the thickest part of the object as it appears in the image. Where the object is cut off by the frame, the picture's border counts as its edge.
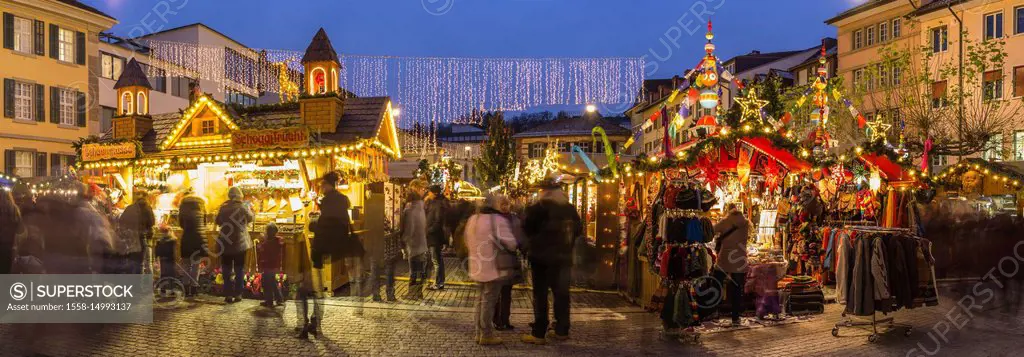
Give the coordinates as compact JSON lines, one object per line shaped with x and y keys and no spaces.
{"x":492,"y":247}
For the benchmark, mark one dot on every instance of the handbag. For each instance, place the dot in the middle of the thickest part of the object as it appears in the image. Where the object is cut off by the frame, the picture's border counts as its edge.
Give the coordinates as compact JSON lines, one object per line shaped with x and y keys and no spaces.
{"x":505,"y":259}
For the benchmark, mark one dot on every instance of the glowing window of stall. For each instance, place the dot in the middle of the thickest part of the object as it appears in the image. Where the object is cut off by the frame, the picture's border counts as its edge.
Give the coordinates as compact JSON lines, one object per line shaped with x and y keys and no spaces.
{"x":318,"y":81}
{"x":126,"y":103}
{"x":141,"y":97}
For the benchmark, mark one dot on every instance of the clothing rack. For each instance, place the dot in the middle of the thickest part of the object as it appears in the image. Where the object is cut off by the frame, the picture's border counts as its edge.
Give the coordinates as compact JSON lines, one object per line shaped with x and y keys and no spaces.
{"x":852,"y":321}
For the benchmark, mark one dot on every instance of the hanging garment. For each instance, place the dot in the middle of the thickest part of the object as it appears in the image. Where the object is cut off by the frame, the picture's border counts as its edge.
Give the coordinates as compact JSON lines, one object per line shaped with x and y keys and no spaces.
{"x":862,"y":295}
{"x":896,"y":267}
{"x":843,"y":268}
{"x":879,"y":272}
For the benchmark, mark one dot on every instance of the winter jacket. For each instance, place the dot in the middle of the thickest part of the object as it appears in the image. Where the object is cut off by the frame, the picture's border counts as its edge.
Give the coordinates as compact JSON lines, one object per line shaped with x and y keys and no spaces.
{"x":271,"y":254}
{"x":332,"y":232}
{"x":165,"y":247}
{"x":483,"y":232}
{"x":190,"y":219}
{"x":135,"y":227}
{"x":436,"y":210}
{"x":234,"y":218}
{"x":552,"y":226}
{"x":732,"y":244}
{"x":414,"y":228}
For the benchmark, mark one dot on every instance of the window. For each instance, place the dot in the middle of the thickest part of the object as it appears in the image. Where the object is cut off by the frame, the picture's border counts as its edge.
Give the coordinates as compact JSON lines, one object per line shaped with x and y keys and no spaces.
{"x":994,"y":148}
{"x":237,"y":97}
{"x":68,"y":113}
{"x":1018,"y":15}
{"x":157,"y":77}
{"x":858,"y":39}
{"x":896,"y":27}
{"x":585,"y":146}
{"x":142,"y":106}
{"x":537,"y":150}
{"x":59,"y":164}
{"x":207,"y":127}
{"x":23,"y":35}
{"x":318,"y":81}
{"x":896,"y":73}
{"x":1018,"y":81}
{"x":564,"y":147}
{"x":107,"y":115}
{"x":111,"y":66}
{"x":181,"y":87}
{"x":883,"y":75}
{"x":127,"y":103}
{"x":66,"y":45}
{"x":940,"y":39}
{"x":23,"y":101}
{"x":939,"y":94}
{"x":1018,"y":145}
{"x":24,"y":164}
{"x":869,"y":35}
{"x":239,"y":68}
{"x":994,"y":25}
{"x":883,"y":32}
{"x":938,"y":160}
{"x":992,"y":85}
{"x":858,"y":80}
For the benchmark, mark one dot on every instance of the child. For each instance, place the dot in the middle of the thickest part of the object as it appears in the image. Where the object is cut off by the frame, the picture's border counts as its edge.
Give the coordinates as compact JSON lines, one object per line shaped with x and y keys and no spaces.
{"x":165,"y":251}
{"x":271,"y":253}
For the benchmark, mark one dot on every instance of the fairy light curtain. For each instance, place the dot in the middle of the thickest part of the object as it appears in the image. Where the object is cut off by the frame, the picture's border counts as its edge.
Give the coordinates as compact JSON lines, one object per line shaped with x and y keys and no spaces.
{"x":430,"y":91}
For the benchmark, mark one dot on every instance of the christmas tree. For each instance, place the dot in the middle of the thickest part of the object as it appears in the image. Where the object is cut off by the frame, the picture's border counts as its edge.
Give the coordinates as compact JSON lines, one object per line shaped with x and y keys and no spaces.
{"x":497,"y":160}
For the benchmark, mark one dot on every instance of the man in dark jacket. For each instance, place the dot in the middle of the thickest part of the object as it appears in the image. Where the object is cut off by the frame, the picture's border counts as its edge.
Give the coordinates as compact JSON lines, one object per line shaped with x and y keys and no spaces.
{"x":233,"y":219}
{"x":437,"y":234}
{"x":193,"y":244}
{"x":551,"y":226}
{"x":135,"y":229}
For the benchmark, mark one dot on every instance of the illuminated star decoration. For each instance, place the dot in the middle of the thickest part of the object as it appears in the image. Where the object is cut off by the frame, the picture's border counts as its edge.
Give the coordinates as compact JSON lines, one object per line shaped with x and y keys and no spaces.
{"x":878,"y":129}
{"x":752,"y":105}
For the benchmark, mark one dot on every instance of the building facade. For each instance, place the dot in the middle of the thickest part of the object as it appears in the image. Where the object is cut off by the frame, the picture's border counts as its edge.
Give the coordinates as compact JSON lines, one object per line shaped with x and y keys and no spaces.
{"x":48,"y":55}
{"x":239,"y":74}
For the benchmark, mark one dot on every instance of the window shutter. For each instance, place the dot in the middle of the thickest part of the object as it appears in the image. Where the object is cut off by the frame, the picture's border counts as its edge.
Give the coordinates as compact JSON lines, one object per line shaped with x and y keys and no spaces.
{"x":55,"y":105}
{"x":54,"y":40}
{"x":9,"y":162}
{"x":40,"y":38}
{"x":80,"y":109}
{"x":1018,"y":81}
{"x":990,"y":76}
{"x":55,"y":165}
{"x":80,"y":48}
{"x":8,"y":31}
{"x":938,"y":89}
{"x":40,"y":164}
{"x":8,"y":98}
{"x":39,"y":99}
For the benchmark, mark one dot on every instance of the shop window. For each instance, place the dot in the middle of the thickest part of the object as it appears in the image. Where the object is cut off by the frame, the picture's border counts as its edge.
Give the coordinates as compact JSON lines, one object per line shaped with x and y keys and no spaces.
{"x":994,"y":26}
{"x":992,"y":85}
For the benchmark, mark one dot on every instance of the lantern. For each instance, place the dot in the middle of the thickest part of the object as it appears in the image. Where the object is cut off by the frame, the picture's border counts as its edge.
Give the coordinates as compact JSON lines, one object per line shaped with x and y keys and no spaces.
{"x":693,"y":95}
{"x":875,"y":182}
{"x":708,"y":99}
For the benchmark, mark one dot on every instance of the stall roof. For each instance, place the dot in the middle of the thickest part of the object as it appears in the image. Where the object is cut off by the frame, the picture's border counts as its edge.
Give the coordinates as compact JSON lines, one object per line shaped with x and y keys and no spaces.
{"x":782,"y":156}
{"x":891,"y":171}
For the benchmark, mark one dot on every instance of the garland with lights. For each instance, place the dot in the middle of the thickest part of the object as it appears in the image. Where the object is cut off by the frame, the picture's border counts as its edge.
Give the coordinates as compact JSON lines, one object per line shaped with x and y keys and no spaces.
{"x":949,"y":177}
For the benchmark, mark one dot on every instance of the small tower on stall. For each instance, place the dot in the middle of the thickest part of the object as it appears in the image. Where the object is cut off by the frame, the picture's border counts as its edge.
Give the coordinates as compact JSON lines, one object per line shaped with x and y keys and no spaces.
{"x":321,"y":111}
{"x":132,"y":119}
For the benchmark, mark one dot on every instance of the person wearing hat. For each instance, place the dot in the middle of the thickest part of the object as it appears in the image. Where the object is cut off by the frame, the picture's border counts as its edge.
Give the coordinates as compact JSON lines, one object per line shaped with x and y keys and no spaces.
{"x":234,"y":218}
{"x":437,"y":235}
{"x":551,"y":226}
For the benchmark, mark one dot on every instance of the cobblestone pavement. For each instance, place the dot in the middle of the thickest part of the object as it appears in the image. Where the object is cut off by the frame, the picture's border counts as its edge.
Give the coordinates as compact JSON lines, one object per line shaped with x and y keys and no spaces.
{"x":211,"y":328}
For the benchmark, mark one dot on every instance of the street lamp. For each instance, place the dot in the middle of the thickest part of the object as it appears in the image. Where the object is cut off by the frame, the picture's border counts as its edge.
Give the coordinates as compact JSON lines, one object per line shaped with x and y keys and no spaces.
{"x":591,"y":108}
{"x":396,"y":112}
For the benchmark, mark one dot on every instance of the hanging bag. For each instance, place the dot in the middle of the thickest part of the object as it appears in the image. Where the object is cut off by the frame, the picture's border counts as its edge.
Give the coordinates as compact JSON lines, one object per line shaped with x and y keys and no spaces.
{"x":505,"y":259}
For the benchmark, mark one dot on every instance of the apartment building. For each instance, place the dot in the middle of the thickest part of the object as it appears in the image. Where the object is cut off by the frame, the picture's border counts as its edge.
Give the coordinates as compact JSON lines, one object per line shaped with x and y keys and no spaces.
{"x":49,"y":50}
{"x":933,"y":25}
{"x":757,"y":64}
{"x":229,"y":71}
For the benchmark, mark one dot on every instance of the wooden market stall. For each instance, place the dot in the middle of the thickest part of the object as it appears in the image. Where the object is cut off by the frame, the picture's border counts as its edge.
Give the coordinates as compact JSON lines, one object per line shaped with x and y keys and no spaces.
{"x":274,"y":153}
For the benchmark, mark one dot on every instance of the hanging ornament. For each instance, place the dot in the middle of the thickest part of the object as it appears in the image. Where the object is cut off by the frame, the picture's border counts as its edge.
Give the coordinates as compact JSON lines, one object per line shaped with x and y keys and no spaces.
{"x":752,"y":105}
{"x":708,"y":99}
{"x":877,"y":130}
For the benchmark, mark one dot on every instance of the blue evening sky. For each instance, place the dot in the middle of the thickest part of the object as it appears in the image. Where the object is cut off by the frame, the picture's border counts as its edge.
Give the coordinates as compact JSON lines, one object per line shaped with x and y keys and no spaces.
{"x":660,"y":29}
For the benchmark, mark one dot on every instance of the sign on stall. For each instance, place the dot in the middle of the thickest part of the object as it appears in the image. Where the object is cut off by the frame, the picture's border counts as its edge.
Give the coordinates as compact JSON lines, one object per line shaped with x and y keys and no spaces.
{"x":269,"y":139}
{"x":97,"y":152}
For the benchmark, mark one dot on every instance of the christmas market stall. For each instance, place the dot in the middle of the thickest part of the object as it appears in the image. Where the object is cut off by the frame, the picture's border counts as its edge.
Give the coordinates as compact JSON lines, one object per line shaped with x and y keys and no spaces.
{"x":274,"y":153}
{"x":978,"y":185}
